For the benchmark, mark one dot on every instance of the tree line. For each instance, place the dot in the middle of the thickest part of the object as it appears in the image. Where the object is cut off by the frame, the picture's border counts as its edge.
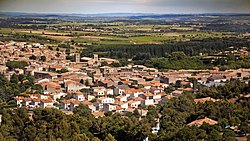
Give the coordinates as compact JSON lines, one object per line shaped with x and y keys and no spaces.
{"x":206,"y":46}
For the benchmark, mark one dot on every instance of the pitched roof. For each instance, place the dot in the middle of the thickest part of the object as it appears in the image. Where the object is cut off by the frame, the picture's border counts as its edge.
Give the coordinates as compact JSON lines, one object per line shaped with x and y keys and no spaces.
{"x":199,"y":122}
{"x":46,"y":100}
{"x":98,"y":114}
{"x":203,"y":100}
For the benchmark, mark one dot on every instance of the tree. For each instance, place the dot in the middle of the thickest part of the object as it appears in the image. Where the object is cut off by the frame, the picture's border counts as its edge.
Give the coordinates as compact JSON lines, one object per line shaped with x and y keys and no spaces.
{"x":95,"y":139}
{"x":43,"y":58}
{"x":178,"y":55}
{"x":14,"y":79}
{"x":109,"y":137}
{"x":169,"y":89}
{"x":83,"y":111}
{"x":244,"y":127}
{"x":80,"y":137}
{"x":63,"y":70}
{"x":7,"y":89}
{"x":229,"y":135}
{"x":67,"y":51}
{"x":50,"y":47}
{"x":152,"y":113}
{"x":32,"y":57}
{"x":214,"y":135}
{"x":87,"y":82}
{"x":136,"y":113}
{"x":187,"y":133}
{"x":109,"y":113}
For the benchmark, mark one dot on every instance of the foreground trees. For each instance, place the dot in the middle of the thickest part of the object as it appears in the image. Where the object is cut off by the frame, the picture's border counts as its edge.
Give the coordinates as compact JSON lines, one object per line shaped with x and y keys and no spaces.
{"x":174,"y":115}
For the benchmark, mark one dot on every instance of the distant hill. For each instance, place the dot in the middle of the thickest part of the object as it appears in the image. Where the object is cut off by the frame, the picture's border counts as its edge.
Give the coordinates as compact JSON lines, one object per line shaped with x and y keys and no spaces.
{"x":114,"y":16}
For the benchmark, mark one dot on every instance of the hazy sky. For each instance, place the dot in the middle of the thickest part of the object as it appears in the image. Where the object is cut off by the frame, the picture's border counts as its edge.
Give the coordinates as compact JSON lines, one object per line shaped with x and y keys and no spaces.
{"x":135,"y":6}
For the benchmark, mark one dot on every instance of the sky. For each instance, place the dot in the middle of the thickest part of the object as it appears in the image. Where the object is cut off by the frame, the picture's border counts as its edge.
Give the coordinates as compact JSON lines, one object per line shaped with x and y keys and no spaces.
{"x":125,"y":6}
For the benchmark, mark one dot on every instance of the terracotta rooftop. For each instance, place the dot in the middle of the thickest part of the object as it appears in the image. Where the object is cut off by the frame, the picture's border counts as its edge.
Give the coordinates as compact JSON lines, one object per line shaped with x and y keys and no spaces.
{"x":203,"y":100}
{"x":98,"y":114}
{"x":46,"y":100}
{"x":199,"y":122}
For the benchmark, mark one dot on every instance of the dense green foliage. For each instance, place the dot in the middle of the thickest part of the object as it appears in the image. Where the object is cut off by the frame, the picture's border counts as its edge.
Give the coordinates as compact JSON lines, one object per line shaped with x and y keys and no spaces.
{"x":32,"y":57}
{"x":164,"y":56}
{"x":233,"y":62}
{"x":18,"y":84}
{"x":43,"y":58}
{"x":51,"y":124}
{"x":230,"y":90}
{"x":177,"y":60}
{"x":16,"y":64}
{"x":206,"y":46}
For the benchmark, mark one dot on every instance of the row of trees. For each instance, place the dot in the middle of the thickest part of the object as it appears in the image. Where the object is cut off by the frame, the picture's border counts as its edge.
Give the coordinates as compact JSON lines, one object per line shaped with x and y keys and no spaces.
{"x":28,"y":38}
{"x":192,"y":48}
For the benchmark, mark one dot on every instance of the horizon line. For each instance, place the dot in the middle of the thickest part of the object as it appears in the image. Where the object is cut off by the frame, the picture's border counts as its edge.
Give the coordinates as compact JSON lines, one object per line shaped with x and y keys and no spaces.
{"x":182,"y":13}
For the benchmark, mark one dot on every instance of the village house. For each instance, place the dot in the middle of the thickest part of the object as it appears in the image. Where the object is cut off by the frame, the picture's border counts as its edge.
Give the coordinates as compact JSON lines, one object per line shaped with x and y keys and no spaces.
{"x":46,"y":103}
{"x":75,"y":103}
{"x":123,"y":105}
{"x":133,"y":93}
{"x":135,"y":103}
{"x":121,"y":98}
{"x":106,"y":69}
{"x":103,"y":100}
{"x":56,"y":96}
{"x":56,"y":68}
{"x":65,"y":104}
{"x":26,"y":102}
{"x":106,"y":83}
{"x":19,"y":100}
{"x":35,"y":103}
{"x":120,"y":89}
{"x":44,"y":74}
{"x":139,"y":68}
{"x":79,"y":96}
{"x":108,"y":60}
{"x":177,"y":93}
{"x":217,"y":78}
{"x":148,"y":99}
{"x":98,"y":91}
{"x":109,"y":92}
{"x":171,"y":79}
{"x":136,"y":80}
{"x":109,"y":107}
{"x":51,"y":87}
{"x":80,"y":77}
{"x":71,"y":85}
